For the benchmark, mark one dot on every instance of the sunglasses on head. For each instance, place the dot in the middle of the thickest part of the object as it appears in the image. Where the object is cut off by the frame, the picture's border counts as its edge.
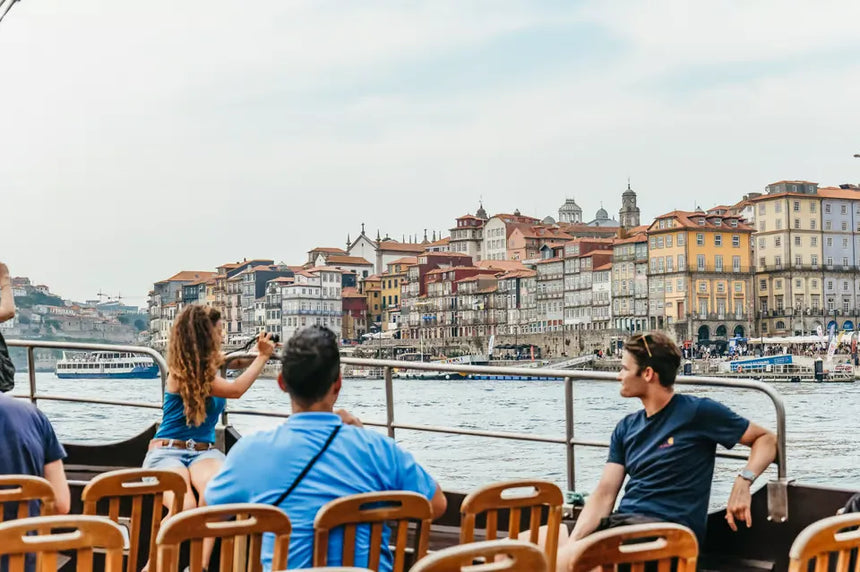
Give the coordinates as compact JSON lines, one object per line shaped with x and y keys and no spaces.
{"x":644,"y":338}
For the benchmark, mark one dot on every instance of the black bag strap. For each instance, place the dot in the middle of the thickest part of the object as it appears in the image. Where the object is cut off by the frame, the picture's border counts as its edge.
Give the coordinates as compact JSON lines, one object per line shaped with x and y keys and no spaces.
{"x":308,"y":467}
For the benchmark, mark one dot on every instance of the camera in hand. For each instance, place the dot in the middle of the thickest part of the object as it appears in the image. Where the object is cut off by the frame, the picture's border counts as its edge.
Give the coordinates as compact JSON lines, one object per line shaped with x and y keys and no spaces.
{"x":276,"y":338}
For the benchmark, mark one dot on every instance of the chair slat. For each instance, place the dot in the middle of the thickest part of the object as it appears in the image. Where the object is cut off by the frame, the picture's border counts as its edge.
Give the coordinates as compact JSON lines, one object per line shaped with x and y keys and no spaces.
{"x":227,"y":545}
{"x":534,"y":524}
{"x":843,"y":561}
{"x":514,"y":523}
{"x":375,"y":545}
{"x":492,"y":525}
{"x":400,"y":546}
{"x":349,"y":544}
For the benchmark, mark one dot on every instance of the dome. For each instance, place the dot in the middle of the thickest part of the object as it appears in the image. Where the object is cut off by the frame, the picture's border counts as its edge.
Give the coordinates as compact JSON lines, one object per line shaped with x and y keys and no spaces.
{"x":629,"y":192}
{"x":548,"y":220}
{"x":602,"y":214}
{"x":570,"y":206}
{"x":481,"y":214}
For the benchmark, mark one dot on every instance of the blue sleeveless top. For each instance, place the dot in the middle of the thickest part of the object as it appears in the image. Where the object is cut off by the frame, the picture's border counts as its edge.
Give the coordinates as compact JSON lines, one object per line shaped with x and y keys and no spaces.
{"x":174,"y":424}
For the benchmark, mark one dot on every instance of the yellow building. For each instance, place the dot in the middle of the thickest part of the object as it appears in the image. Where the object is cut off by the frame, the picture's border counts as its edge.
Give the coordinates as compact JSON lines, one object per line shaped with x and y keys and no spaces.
{"x":789,"y":258}
{"x":371,"y":287}
{"x":391,"y":281}
{"x":699,"y":275}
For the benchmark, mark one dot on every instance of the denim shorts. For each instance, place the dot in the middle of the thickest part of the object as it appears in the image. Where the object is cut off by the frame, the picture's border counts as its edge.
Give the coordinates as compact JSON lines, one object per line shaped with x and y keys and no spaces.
{"x":168,"y":457}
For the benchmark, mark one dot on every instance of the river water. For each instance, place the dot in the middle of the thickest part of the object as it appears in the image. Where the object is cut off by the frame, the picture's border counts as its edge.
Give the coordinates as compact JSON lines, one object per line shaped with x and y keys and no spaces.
{"x":822,"y":429}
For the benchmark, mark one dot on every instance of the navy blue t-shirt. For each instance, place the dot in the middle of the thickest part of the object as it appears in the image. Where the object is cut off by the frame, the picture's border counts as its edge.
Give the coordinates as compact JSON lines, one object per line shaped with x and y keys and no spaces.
{"x":28,"y":442}
{"x":670,"y":458}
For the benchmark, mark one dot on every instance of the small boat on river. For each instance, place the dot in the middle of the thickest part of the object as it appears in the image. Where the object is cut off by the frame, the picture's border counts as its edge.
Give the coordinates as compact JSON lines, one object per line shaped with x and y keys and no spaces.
{"x":107,"y":365}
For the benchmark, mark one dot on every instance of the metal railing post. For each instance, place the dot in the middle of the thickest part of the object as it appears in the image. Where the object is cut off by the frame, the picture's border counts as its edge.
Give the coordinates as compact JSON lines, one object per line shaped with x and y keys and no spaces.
{"x":568,"y":434}
{"x":31,"y":370}
{"x":389,"y":401}
{"x":223,"y":372}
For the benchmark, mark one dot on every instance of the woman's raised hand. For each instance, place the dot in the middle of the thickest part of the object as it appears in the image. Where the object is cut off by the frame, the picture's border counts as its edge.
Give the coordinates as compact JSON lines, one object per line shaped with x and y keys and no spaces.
{"x":265,"y":345}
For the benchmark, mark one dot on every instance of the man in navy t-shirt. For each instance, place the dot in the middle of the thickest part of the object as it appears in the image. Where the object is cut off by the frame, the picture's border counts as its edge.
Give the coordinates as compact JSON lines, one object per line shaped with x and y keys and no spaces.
{"x":668,"y":450}
{"x":267,"y":466}
{"x":29,"y":446}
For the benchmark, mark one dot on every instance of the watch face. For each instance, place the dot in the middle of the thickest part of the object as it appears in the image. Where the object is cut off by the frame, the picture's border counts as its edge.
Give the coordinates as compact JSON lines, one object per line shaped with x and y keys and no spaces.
{"x":748,"y":475}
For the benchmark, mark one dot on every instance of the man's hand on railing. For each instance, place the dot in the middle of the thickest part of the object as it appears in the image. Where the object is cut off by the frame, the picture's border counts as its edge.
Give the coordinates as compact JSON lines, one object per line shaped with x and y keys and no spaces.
{"x":348,"y":418}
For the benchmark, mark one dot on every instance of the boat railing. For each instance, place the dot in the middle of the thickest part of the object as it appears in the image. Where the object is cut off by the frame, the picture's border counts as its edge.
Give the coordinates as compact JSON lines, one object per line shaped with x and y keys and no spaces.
{"x":777,"y":489}
{"x":34,"y":395}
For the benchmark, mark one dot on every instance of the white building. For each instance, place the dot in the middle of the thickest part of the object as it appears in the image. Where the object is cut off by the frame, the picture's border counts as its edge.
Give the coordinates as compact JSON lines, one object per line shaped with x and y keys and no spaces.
{"x":314,"y":297}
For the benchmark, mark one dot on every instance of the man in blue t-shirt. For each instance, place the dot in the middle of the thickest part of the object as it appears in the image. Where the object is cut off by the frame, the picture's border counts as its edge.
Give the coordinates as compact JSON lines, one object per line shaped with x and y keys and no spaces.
{"x":264,"y":466}
{"x":30,"y":447}
{"x":668,"y":450}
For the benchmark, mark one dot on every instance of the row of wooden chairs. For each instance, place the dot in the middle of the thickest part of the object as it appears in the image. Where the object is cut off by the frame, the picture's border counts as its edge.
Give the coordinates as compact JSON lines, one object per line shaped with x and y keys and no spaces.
{"x":241,"y":537}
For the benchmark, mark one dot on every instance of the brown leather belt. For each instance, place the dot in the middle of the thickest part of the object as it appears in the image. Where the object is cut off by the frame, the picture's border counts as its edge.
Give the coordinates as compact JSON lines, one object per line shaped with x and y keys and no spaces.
{"x":189,"y":445}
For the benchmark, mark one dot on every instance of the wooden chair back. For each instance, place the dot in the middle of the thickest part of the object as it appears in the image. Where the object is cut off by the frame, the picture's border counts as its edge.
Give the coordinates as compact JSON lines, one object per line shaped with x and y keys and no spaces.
{"x":81,"y":534}
{"x":140,"y":485}
{"x":22,"y":489}
{"x":636,"y":545}
{"x":374,"y":509}
{"x":492,"y":498}
{"x":519,"y":557}
{"x":824,"y":539}
{"x":241,"y":537}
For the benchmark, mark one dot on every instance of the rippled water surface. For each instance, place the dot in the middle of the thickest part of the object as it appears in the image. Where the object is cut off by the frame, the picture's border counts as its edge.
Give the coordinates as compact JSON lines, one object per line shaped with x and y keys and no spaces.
{"x":823,"y":433}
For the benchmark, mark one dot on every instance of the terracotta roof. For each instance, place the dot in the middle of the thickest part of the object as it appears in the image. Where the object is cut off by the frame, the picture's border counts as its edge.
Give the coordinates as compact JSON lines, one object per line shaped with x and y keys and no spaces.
{"x":350,"y":292}
{"x":607,"y":266}
{"x":188,"y":276}
{"x":408,"y":260}
{"x":488,"y":289}
{"x":548,"y":260}
{"x":330,"y":249}
{"x":372,"y":277}
{"x":469,"y":279}
{"x":283,"y":280}
{"x":686,"y":220}
{"x":837,"y":193}
{"x":506,"y":265}
{"x":795,"y":182}
{"x":524,"y":273}
{"x":354,"y":260}
{"x":467,"y":216}
{"x":441,"y":242}
{"x":401,"y":246}
{"x":639,"y":237}
{"x":593,"y":252}
{"x":317,"y":269}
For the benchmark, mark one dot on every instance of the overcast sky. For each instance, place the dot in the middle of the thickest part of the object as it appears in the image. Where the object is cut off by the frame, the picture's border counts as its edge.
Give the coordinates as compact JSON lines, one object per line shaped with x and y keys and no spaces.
{"x":138,"y":139}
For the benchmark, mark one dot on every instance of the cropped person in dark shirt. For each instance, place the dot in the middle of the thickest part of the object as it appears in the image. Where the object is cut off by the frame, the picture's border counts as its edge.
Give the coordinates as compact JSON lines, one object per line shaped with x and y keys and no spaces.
{"x":668,"y":450}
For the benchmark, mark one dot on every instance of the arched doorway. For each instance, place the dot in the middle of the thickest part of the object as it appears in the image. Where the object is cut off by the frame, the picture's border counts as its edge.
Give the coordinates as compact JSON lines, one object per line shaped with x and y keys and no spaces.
{"x":848,"y":326}
{"x":832,"y":325}
{"x":780,"y":325}
{"x":721,"y":331}
{"x":704,"y":333}
{"x":739,"y":331}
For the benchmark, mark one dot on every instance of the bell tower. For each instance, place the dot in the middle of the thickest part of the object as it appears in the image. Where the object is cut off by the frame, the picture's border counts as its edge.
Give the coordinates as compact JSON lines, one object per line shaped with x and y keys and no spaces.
{"x":628,"y":215}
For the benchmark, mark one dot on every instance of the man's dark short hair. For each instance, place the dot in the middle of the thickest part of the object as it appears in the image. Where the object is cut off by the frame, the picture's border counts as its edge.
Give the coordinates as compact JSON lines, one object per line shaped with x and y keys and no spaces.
{"x":657,"y":351}
{"x":311,"y":364}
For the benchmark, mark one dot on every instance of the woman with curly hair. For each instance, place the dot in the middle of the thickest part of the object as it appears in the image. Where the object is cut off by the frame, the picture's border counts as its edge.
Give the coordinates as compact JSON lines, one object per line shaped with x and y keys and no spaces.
{"x":195,"y":396}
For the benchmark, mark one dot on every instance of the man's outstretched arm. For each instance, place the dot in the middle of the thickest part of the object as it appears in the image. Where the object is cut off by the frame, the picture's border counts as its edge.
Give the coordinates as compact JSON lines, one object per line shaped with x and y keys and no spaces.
{"x":601,"y":502}
{"x":762,"y":444}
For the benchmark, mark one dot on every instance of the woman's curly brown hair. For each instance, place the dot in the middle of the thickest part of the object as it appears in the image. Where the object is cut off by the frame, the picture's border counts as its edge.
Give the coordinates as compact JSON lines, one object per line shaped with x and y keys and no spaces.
{"x":194,"y":358}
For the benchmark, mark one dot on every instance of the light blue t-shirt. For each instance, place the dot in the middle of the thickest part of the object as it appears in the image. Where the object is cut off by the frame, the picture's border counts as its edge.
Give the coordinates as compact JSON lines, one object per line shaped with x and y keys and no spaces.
{"x":261,"y":466}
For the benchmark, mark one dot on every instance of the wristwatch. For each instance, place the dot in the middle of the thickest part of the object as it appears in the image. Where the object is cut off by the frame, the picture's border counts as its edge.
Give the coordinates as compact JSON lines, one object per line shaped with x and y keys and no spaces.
{"x":748,"y":475}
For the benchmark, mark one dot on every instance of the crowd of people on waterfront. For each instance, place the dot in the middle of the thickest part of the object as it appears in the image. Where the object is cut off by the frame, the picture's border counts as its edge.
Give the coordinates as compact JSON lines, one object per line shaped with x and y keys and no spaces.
{"x":666,"y":450}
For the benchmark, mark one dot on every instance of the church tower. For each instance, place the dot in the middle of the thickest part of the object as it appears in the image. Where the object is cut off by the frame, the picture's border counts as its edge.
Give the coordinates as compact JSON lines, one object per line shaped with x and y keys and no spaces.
{"x":628,"y":215}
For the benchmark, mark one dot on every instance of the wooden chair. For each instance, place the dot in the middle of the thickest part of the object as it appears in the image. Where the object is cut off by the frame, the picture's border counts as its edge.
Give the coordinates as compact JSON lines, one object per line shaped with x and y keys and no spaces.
{"x":637,"y":544}
{"x":241,"y":538}
{"x":374,"y":509}
{"x":137,"y":484}
{"x":494,"y":497}
{"x":823,"y":539}
{"x":23,"y":489}
{"x":520,"y":557}
{"x":81,"y":534}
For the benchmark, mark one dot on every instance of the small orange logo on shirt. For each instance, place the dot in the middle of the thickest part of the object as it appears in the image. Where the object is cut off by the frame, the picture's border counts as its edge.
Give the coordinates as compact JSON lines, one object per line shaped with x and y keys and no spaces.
{"x":669,"y":442}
